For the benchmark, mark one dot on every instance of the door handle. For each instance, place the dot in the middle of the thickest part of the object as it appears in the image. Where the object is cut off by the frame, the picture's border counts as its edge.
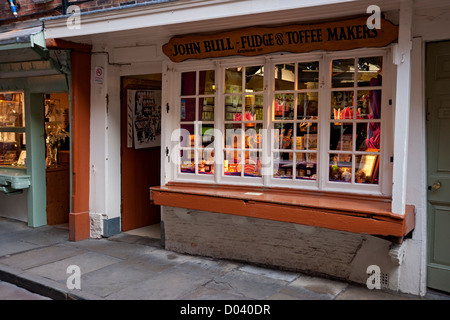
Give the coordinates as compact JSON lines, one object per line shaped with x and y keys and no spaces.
{"x":436,"y":185}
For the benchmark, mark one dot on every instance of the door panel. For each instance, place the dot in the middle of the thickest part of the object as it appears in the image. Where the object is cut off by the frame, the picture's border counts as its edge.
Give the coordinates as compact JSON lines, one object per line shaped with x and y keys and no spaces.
{"x":438,"y":167}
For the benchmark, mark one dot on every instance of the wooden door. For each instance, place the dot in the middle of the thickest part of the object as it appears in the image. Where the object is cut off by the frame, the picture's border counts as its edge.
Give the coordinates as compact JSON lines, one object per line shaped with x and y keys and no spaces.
{"x":140,"y":168}
{"x":438,"y":167}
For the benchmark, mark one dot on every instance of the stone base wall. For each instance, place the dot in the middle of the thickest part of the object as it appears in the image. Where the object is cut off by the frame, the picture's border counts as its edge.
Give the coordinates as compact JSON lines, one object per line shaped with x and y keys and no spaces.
{"x":281,"y":245}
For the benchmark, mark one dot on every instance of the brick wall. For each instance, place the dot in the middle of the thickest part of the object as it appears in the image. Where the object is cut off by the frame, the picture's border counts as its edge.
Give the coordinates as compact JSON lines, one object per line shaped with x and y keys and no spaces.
{"x":31,"y":10}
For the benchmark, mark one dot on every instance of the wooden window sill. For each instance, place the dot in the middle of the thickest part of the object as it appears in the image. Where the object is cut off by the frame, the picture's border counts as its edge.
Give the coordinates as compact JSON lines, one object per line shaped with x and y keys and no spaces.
{"x":337,"y":211}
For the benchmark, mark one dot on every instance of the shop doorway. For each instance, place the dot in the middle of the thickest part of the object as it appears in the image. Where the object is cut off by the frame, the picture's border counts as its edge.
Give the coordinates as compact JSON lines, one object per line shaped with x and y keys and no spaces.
{"x":438,"y":164}
{"x":140,"y":152}
{"x":57,"y":156}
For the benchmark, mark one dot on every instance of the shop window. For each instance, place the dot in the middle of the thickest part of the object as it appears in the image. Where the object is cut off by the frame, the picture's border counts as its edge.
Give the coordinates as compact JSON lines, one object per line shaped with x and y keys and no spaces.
{"x":12,"y":130}
{"x":312,"y":123}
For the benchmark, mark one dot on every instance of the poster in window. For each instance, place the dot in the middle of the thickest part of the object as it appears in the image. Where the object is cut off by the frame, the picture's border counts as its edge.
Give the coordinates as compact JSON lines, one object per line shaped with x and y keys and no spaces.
{"x":144,"y":118}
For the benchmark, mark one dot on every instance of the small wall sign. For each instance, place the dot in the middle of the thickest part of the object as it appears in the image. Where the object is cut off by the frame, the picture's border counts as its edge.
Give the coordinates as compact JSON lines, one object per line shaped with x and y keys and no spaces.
{"x":98,"y":75}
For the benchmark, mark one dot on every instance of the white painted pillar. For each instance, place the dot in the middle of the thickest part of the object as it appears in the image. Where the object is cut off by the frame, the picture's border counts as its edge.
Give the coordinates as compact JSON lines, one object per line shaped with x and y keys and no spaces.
{"x":105,"y":192}
{"x":98,"y":146}
{"x":402,"y":58}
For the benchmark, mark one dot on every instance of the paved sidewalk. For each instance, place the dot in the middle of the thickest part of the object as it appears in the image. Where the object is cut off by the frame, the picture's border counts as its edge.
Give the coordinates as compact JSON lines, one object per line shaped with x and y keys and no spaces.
{"x":133,"y":267}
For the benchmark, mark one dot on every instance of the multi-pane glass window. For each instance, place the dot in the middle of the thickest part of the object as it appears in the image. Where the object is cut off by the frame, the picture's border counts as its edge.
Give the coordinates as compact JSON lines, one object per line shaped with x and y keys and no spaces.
{"x":197,"y":107}
{"x":12,"y":129}
{"x":295,"y":120}
{"x":314,"y":123}
{"x":355,"y":120}
{"x":244,"y":110}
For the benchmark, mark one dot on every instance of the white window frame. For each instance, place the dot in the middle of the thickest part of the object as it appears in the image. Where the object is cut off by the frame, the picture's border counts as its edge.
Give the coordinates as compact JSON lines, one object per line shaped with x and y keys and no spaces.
{"x":384,"y":186}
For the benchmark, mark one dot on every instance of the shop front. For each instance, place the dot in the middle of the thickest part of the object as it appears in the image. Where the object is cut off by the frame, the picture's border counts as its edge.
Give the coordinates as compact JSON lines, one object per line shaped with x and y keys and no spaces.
{"x":291,"y":137}
{"x":289,"y":147}
{"x":29,"y":71}
{"x":35,"y":127}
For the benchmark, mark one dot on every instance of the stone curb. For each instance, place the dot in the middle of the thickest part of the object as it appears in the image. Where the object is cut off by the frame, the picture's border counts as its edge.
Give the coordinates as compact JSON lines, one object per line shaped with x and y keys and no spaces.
{"x":42,"y":286}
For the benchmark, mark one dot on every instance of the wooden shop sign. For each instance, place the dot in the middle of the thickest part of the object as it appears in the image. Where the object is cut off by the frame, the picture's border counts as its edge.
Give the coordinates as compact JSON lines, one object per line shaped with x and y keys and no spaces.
{"x":253,"y":41}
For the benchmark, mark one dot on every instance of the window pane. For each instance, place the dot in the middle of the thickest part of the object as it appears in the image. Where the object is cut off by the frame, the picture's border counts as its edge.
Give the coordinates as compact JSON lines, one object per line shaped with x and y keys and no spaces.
{"x":188,"y":82}
{"x":206,"y":108}
{"x":308,"y":105}
{"x":285,"y":76}
{"x":233,"y":136}
{"x":368,"y":136}
{"x":343,"y":73}
{"x":306,"y":138}
{"x":11,"y":146}
{"x":207,"y":135}
{"x":253,"y":136}
{"x":366,"y":169}
{"x":342,"y":105}
{"x":206,"y":82}
{"x":252,"y":167}
{"x":11,"y":110}
{"x":187,"y":135}
{"x":284,"y":106}
{"x":187,"y":109}
{"x":283,"y":135}
{"x":187,"y":158}
{"x":253,"y":107}
{"x":282,"y":165}
{"x":233,"y":80}
{"x":232,"y":162}
{"x":308,"y":75}
{"x":369,"y":104}
{"x":341,"y":136}
{"x":233,"y":108}
{"x":340,"y":167}
{"x":370,"y":71}
{"x":306,"y":166}
{"x":254,"y":79}
{"x":206,"y":161}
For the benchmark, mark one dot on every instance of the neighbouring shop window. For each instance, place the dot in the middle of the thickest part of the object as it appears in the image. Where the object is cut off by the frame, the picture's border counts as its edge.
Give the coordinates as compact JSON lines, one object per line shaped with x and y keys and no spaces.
{"x":57,"y":133}
{"x":295,"y":122}
{"x":12,"y":130}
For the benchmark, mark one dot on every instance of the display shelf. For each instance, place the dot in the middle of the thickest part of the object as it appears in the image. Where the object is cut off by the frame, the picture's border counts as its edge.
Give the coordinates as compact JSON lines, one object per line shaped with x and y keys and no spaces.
{"x":13,"y":180}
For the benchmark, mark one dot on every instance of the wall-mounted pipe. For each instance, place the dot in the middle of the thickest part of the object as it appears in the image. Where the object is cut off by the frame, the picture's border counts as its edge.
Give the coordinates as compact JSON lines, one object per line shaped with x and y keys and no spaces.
{"x":64,"y":6}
